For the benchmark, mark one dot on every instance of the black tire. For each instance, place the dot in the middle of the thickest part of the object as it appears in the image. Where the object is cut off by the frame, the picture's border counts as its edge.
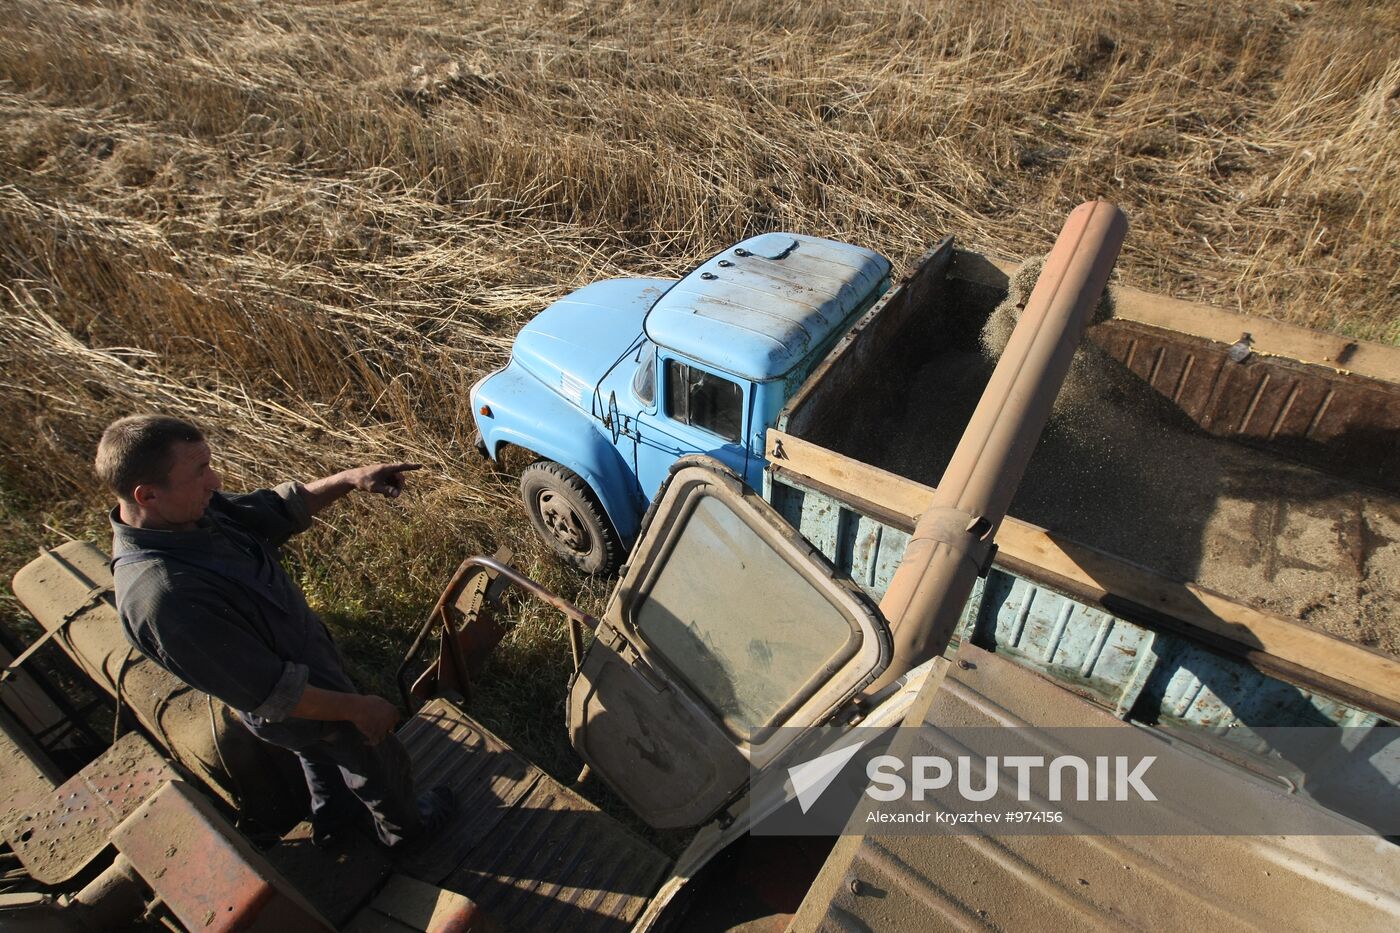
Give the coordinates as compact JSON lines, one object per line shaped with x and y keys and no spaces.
{"x":568,"y":518}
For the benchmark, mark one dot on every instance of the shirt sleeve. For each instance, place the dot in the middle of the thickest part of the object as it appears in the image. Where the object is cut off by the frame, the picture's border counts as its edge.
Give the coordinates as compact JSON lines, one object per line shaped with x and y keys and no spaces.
{"x":273,"y":514}
{"x":198,"y":637}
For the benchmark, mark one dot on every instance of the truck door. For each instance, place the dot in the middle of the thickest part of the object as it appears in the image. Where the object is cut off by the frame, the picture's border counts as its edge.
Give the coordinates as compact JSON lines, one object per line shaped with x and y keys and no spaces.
{"x":726,"y":627}
{"x":697,"y":411}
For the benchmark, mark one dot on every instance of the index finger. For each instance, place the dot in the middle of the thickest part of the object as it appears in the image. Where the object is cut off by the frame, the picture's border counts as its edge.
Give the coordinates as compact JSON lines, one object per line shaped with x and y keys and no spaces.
{"x":400,"y":467}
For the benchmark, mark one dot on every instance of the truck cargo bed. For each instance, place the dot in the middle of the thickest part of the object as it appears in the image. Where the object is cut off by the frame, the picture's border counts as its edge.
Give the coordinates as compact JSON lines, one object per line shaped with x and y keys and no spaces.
{"x":1121,"y":473}
{"x":1293,"y":510}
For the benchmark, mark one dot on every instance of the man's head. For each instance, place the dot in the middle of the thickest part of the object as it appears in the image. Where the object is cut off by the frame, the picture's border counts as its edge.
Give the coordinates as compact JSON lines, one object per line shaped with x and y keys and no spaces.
{"x":159,"y":468}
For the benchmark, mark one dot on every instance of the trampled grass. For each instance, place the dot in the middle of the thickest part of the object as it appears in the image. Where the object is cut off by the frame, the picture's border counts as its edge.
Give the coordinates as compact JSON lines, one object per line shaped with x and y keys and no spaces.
{"x":312,"y":226}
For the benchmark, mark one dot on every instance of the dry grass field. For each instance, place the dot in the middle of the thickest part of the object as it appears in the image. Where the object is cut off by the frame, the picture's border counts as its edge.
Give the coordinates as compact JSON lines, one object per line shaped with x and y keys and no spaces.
{"x":312,"y":225}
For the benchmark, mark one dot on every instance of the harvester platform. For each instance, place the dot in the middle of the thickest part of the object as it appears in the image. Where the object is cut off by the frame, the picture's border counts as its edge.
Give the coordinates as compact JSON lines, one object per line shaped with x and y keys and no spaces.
{"x":524,"y":850}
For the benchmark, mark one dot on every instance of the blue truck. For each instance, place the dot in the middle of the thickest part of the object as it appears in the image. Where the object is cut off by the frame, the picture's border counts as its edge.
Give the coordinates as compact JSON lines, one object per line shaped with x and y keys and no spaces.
{"x":612,"y":384}
{"x":1188,"y":492}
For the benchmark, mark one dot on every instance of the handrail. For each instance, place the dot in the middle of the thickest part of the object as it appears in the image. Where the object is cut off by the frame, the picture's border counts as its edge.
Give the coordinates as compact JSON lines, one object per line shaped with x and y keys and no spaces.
{"x":576,"y":616}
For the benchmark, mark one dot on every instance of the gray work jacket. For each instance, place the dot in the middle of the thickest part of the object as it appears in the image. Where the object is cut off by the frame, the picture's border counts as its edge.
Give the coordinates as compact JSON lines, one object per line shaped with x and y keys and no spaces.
{"x":215,"y":607}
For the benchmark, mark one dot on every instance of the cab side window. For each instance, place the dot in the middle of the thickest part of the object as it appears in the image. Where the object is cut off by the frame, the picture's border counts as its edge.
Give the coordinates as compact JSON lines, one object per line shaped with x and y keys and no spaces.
{"x":704,"y":400}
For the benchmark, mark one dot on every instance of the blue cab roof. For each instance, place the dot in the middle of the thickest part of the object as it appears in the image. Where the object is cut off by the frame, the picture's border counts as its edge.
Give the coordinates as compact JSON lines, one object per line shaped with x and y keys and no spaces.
{"x":759,"y":307}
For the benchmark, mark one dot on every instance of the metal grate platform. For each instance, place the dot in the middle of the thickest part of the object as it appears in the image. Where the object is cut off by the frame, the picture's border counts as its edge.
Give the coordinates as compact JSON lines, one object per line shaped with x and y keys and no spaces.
{"x":532,"y":853}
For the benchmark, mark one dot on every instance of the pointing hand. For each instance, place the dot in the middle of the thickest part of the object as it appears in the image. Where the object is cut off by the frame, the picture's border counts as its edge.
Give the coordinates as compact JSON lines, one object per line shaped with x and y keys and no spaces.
{"x":386,"y":479}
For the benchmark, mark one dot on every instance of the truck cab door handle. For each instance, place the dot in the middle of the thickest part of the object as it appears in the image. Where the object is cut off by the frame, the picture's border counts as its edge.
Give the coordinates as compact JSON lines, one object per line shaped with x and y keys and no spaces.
{"x":648,"y":673}
{"x":625,"y":650}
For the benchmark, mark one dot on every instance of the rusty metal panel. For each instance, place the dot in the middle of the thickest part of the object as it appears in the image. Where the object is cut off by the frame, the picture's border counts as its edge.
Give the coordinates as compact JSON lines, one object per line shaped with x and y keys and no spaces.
{"x":210,"y":877}
{"x":57,"y":836}
{"x":1341,"y":423}
{"x":531,"y":853}
{"x":915,"y":883}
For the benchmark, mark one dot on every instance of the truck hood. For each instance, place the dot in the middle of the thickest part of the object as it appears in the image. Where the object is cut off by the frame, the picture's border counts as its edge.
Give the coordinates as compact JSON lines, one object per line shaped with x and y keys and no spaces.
{"x":571,"y":344}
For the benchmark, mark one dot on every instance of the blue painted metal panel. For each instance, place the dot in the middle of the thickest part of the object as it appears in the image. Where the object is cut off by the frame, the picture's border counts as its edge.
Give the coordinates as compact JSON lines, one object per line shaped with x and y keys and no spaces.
{"x":892,"y":543}
{"x":860,"y":546}
{"x":529,"y":415}
{"x":763,"y":306}
{"x":570,"y":345}
{"x":1084,"y":646}
{"x":1192,"y":686}
{"x":821,"y":516}
{"x":787,"y":500}
{"x":1141,"y":674}
{"x":661,"y":440}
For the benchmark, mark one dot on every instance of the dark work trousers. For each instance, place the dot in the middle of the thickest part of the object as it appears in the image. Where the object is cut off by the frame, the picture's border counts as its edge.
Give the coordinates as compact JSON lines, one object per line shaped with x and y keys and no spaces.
{"x":341,"y":767}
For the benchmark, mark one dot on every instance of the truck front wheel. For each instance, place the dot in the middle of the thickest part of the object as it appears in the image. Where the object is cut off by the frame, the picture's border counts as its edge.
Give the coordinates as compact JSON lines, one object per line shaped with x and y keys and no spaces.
{"x":568,"y":517}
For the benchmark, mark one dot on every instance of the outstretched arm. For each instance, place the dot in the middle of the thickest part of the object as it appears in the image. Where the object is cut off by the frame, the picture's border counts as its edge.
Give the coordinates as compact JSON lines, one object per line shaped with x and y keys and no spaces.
{"x":386,"y":479}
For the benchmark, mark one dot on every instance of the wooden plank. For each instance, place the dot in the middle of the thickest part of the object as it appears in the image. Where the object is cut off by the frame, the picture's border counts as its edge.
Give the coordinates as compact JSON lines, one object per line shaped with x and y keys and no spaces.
{"x":412,"y":905}
{"x":1345,"y":668}
{"x":887,"y":491}
{"x":1273,"y":338}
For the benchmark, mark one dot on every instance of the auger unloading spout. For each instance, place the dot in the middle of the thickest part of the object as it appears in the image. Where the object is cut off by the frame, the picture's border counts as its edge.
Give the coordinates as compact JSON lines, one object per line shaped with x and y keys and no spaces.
{"x":952,"y":542}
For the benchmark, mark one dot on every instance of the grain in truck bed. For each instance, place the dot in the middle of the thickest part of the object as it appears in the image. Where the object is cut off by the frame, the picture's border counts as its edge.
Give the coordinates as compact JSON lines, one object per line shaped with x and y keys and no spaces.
{"x":1294,"y":510}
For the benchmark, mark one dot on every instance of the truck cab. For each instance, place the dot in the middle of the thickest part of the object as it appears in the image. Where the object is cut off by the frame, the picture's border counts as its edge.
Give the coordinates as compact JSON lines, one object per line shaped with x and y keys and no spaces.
{"x":612,"y":384}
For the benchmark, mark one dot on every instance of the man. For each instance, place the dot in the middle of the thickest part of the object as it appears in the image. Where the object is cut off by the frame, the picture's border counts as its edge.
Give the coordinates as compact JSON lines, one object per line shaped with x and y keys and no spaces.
{"x":201,"y":592}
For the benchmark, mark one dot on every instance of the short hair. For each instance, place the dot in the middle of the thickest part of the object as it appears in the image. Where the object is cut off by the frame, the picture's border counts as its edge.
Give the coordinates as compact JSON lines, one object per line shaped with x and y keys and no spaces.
{"x":135,"y":450}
